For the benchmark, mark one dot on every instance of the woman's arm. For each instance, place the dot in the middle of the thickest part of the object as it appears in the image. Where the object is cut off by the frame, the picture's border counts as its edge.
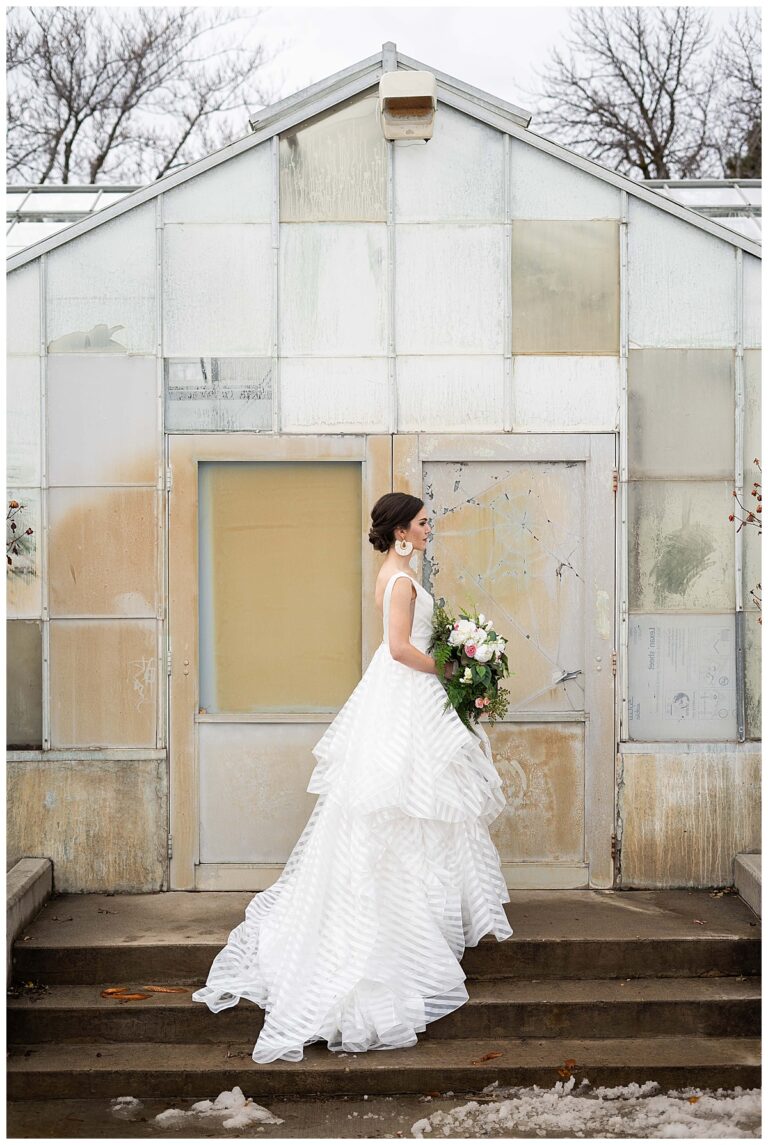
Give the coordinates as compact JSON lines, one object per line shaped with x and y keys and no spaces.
{"x":399,"y":634}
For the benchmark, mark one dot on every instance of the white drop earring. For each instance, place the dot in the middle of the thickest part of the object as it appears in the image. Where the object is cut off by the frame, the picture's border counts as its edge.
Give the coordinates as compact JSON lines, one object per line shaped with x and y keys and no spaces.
{"x":404,"y":548}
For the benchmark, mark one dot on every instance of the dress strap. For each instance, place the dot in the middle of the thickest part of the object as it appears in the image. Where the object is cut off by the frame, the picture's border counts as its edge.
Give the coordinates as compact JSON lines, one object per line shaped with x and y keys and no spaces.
{"x":394,"y":577}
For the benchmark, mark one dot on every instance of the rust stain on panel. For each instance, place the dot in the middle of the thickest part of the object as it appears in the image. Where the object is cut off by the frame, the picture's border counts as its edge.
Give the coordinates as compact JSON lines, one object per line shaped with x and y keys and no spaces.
{"x":103,"y":823}
{"x":685,"y":816}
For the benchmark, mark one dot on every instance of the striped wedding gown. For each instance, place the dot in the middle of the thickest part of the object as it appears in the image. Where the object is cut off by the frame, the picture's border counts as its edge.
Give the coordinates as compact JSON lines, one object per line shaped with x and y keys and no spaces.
{"x":358,"y":942}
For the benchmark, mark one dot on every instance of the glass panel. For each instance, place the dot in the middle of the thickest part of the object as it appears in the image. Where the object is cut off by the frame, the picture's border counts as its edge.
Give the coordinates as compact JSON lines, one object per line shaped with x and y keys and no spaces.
{"x":335,"y":168}
{"x":450,"y":289}
{"x":101,"y":287}
{"x":508,"y":537}
{"x":752,"y":555}
{"x":238,"y":190}
{"x":22,"y":235}
{"x":553,"y":394}
{"x":682,"y":677}
{"x":332,"y":290}
{"x":750,"y":228}
{"x":753,"y":657}
{"x":24,"y":684}
{"x":13,"y":200}
{"x":707,"y":196}
{"x":565,"y":288}
{"x":336,"y":395}
{"x":457,"y":176}
{"x":680,"y":545}
{"x":22,"y":300}
{"x":102,"y":557}
{"x":261,"y":590}
{"x":103,"y":683}
{"x":102,"y":420}
{"x":24,"y":594}
{"x":220,"y":394}
{"x":682,"y":282}
{"x":227,"y":307}
{"x":457,"y":394}
{"x":269,"y":768}
{"x":544,"y":187}
{"x":753,"y":195}
{"x":670,"y":390}
{"x":752,"y":301}
{"x":23,"y":424}
{"x":51,"y":203}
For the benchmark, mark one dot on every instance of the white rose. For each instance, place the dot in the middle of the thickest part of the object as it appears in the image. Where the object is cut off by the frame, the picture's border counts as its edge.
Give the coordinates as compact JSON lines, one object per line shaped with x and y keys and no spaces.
{"x":479,"y":636}
{"x":467,"y":677}
{"x":481,"y":620}
{"x":483,"y":653}
{"x":489,"y":625}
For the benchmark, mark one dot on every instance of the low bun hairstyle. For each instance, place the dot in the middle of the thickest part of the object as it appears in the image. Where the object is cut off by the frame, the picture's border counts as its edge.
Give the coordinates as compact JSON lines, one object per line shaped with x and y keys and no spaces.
{"x":390,"y":512}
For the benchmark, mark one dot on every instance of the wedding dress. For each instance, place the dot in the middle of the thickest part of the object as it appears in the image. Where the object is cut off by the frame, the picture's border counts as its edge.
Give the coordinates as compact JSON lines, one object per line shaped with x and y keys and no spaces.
{"x":358,"y":941}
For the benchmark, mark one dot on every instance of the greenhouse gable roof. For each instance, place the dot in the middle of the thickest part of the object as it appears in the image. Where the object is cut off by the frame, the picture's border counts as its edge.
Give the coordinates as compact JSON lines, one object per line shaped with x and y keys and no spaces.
{"x":355,"y":80}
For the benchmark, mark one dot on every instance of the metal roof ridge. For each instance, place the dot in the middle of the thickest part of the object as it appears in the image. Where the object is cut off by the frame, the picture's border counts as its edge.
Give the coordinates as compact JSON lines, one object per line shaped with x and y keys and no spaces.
{"x":519,"y":114}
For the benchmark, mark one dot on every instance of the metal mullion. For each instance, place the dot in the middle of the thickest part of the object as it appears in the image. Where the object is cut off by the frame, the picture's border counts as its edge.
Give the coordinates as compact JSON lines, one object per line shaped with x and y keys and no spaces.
{"x":43,"y":538}
{"x":738,"y":538}
{"x":622,"y":532}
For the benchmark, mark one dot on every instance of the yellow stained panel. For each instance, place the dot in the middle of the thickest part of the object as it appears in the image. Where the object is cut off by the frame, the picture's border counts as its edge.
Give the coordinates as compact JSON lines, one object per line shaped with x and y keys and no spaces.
{"x":280,"y":585}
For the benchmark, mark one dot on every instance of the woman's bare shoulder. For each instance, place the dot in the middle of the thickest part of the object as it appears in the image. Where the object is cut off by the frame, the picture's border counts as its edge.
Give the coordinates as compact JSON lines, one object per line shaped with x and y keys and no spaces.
{"x":383,"y":580}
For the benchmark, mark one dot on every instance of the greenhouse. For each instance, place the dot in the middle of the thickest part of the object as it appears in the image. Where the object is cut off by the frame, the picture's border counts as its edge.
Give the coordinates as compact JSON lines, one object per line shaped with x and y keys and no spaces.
{"x":211,"y":379}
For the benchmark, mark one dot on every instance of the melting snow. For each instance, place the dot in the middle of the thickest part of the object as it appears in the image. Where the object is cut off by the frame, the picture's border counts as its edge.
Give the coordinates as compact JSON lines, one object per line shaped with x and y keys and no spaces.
{"x":617,"y":1111}
{"x":231,"y":1108}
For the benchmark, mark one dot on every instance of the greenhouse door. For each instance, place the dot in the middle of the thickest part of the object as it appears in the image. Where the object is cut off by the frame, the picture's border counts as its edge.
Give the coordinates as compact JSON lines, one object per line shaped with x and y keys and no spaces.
{"x":523,"y":528}
{"x":271,"y":623}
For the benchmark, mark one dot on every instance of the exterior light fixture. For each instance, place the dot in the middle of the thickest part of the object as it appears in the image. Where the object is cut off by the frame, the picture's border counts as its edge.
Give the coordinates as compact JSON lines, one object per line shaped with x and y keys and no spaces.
{"x":407,"y":104}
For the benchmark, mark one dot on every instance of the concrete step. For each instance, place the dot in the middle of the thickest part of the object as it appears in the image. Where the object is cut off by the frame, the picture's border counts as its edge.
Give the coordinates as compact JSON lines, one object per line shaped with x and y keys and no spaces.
{"x":173,"y":937}
{"x":190,"y":1071}
{"x":591,"y":1008}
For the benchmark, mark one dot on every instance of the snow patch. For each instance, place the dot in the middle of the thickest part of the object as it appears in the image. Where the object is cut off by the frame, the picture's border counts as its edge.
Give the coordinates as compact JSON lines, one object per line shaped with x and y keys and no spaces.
{"x":635,"y":1110}
{"x":232,"y":1108}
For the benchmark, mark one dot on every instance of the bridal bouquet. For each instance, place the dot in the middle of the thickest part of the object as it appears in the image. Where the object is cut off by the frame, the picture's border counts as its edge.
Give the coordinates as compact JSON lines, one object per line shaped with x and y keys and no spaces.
{"x":480,"y":662}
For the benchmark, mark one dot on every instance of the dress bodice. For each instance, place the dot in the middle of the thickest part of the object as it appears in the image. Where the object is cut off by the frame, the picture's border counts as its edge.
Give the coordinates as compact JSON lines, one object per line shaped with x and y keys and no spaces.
{"x":421,"y":629}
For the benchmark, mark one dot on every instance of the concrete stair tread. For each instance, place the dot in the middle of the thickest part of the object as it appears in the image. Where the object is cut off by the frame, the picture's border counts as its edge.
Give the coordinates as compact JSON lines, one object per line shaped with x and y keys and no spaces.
{"x":205,"y":918}
{"x":636,"y":1053}
{"x":482,"y":992}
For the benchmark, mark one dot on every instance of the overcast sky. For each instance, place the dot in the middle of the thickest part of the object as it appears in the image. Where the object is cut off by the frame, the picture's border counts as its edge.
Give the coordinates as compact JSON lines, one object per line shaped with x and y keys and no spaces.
{"x":495,"y":49}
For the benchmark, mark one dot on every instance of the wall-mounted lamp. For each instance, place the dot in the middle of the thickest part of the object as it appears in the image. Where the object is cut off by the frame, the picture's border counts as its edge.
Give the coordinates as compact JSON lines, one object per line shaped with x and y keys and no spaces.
{"x":407,"y":104}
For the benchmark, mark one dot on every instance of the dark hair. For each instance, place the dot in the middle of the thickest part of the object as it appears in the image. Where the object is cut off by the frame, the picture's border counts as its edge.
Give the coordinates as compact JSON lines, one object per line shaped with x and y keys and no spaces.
{"x":389,"y":512}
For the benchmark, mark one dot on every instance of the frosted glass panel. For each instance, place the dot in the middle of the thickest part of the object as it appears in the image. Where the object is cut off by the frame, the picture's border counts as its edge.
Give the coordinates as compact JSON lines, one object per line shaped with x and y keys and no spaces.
{"x":544,"y":187}
{"x":101,"y":288}
{"x":752,"y":301}
{"x":102,"y":421}
{"x":238,"y":190}
{"x":681,"y":409}
{"x":22,"y":569}
{"x":682,"y":282}
{"x":217,"y":289}
{"x":221,"y":394}
{"x":565,"y":288}
{"x":104,"y":681}
{"x":22,"y":299}
{"x":680,"y":545}
{"x":24,"y":684}
{"x":22,"y":429}
{"x":334,"y":394}
{"x":280,"y":629}
{"x":508,"y":537}
{"x":557,"y":393}
{"x":458,"y":176}
{"x":335,"y":168}
{"x":102,"y":556}
{"x":450,"y":289}
{"x":682,"y":677}
{"x":333,"y":290}
{"x":456,"y":394}
{"x":753,"y":699}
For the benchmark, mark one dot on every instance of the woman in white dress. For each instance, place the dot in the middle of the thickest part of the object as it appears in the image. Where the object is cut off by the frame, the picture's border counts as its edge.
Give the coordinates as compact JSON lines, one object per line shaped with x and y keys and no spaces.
{"x":358,"y":942}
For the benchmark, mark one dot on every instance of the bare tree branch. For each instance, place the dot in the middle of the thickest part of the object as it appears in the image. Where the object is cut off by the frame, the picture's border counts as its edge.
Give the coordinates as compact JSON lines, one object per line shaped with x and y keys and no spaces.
{"x":642,"y":91}
{"x":126,"y":94}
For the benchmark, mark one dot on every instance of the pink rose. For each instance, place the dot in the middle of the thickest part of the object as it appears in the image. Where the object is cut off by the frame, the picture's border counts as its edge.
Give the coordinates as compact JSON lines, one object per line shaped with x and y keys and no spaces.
{"x":470,"y":649}
{"x":479,"y":702}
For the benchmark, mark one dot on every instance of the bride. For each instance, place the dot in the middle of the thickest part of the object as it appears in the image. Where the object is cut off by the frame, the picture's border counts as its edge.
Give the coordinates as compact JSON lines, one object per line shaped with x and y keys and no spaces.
{"x":358,"y":942}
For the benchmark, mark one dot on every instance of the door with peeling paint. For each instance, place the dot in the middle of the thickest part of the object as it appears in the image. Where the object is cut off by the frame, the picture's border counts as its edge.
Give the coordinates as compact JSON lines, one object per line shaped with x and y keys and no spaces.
{"x":272,"y":621}
{"x":523,"y":530}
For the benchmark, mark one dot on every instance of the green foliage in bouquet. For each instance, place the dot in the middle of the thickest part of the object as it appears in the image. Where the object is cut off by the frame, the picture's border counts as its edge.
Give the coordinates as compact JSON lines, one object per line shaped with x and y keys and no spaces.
{"x":484,"y":683}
